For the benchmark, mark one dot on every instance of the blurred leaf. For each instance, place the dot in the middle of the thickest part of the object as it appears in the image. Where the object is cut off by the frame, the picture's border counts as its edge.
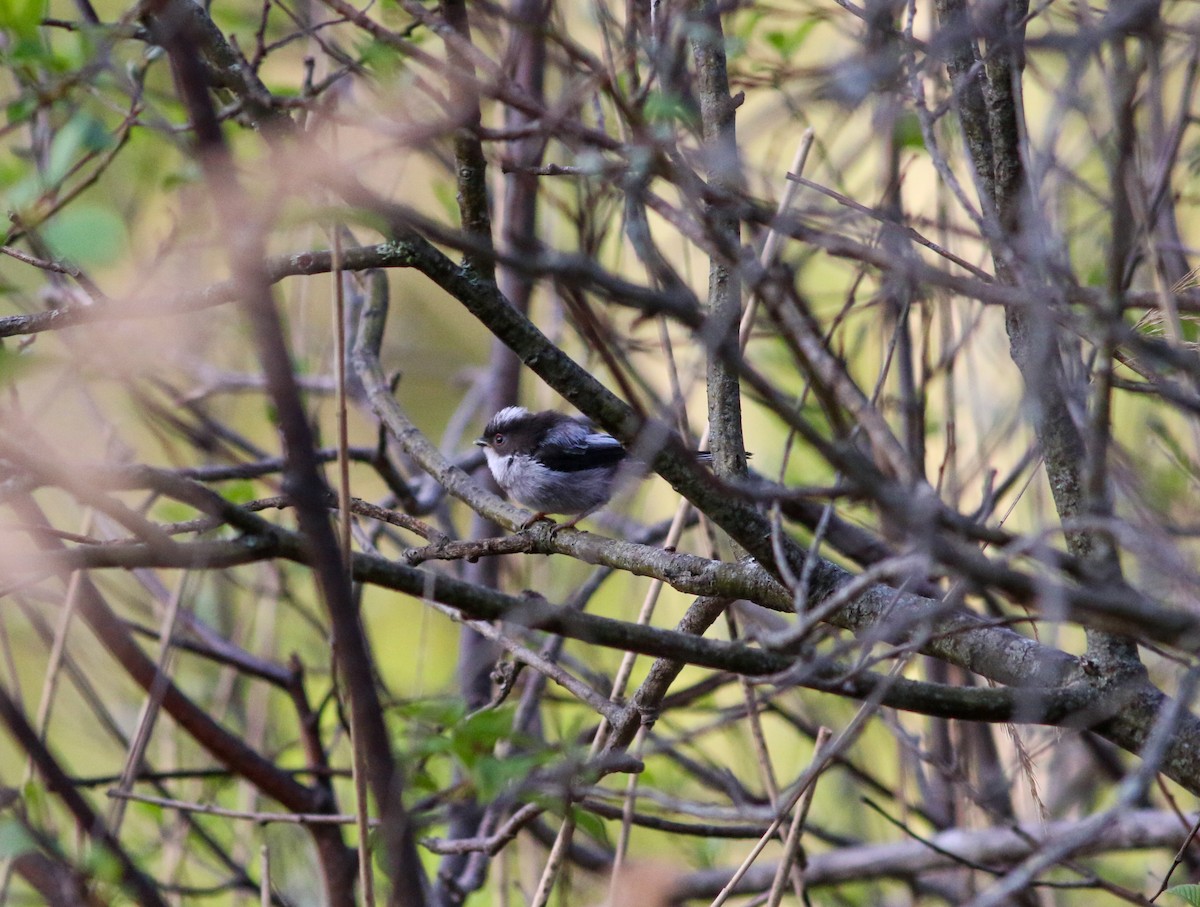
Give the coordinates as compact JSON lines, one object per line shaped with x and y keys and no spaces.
{"x":666,"y":108}
{"x":83,"y":134}
{"x":788,"y":42}
{"x":907,"y":132}
{"x":1190,"y":893}
{"x":590,"y":824}
{"x":26,"y":54}
{"x":480,"y":733}
{"x":87,"y":235}
{"x":445,"y":195}
{"x":33,"y":795}
{"x":14,"y":364}
{"x":149,"y":811}
{"x":24,"y":193}
{"x":745,"y":23}
{"x":103,"y":864}
{"x":72,"y":52}
{"x":381,"y":59}
{"x":424,"y":782}
{"x":20,"y":110}
{"x":186,"y":175}
{"x":167,"y":511}
{"x":14,"y":839}
{"x":1159,"y":429}
{"x":488,"y":727}
{"x":1166,"y":485}
{"x":22,"y":17}
{"x":706,"y":852}
{"x":495,"y":775}
{"x":425,"y":734}
{"x":431,"y":744}
{"x":442,"y":711}
{"x":241,"y":491}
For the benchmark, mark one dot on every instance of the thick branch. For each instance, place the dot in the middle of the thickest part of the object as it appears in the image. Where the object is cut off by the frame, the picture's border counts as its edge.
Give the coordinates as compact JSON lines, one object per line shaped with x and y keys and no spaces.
{"x":995,"y":847}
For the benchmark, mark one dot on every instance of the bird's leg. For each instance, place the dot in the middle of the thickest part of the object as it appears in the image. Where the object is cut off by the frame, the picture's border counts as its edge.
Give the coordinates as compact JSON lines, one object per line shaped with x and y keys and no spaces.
{"x":571,"y":523}
{"x":536,"y":518}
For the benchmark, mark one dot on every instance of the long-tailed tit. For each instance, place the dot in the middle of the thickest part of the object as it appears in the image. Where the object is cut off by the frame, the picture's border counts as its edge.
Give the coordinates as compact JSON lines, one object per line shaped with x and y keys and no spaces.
{"x":553,"y":463}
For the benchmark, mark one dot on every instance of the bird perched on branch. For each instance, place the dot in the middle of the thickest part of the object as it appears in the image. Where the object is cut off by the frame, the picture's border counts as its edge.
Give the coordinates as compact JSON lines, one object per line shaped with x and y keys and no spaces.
{"x":553,"y":463}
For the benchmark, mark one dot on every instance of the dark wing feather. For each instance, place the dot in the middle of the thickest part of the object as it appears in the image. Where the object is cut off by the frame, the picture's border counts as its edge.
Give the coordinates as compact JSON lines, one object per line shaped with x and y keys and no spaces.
{"x":585,"y":451}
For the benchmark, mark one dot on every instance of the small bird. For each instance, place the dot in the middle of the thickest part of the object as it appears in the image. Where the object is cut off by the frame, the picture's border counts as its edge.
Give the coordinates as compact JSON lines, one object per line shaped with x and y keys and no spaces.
{"x":552,"y":463}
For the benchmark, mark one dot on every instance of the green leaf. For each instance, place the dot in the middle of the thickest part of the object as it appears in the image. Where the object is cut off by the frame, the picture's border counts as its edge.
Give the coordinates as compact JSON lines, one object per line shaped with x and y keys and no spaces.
{"x":489,"y":778}
{"x":87,"y":235}
{"x":15,"y":168}
{"x":1190,"y":893}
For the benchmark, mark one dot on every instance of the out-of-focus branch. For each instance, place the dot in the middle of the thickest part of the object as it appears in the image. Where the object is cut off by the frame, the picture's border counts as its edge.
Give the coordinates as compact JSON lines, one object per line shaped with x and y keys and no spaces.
{"x":302,"y":477}
{"x":644,"y":703}
{"x":580,"y":269}
{"x":750,"y":529}
{"x":673,"y":462}
{"x":470,"y":164}
{"x":961,"y":637}
{"x":1033,"y":704}
{"x":230,"y":750}
{"x":989,"y":847}
{"x":138,"y":884}
{"x":175,"y":20}
{"x":56,"y":882}
{"x":458,"y":875}
{"x":987,"y":101}
{"x":718,"y":115}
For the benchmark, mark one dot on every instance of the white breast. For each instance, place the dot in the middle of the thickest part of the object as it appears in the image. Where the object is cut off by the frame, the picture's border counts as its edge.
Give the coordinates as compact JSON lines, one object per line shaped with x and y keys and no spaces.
{"x":530,"y":483}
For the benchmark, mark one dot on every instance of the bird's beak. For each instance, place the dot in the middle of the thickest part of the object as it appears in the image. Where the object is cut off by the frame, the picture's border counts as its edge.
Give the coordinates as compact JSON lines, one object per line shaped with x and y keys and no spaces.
{"x":479,"y":442}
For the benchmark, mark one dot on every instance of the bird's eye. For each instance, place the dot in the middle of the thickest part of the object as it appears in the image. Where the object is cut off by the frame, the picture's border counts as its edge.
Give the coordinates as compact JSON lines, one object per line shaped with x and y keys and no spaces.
{"x":498,"y":439}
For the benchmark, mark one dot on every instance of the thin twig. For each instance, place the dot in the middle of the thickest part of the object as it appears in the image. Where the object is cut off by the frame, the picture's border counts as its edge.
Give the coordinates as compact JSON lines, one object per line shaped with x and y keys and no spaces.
{"x":265,"y":818}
